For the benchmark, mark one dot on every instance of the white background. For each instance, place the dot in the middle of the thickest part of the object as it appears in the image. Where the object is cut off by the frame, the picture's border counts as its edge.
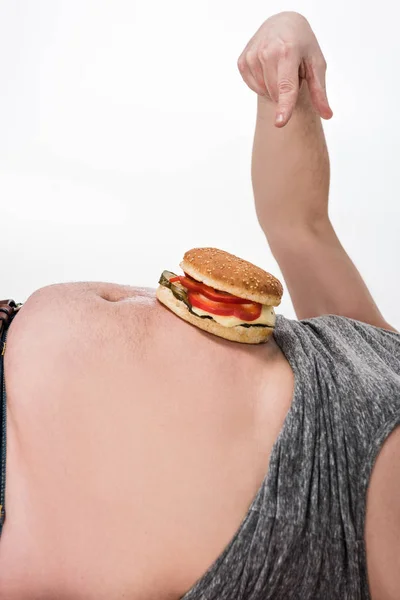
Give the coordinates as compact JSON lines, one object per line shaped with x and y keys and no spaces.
{"x":126,"y":133}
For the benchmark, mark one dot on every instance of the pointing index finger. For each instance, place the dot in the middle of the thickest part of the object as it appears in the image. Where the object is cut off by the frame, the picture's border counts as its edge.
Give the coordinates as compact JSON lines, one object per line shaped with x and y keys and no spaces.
{"x":288,"y":90}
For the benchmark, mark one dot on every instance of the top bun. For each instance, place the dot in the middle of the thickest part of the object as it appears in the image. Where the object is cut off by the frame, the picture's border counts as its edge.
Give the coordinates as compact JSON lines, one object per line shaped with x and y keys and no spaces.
{"x":228,"y":273}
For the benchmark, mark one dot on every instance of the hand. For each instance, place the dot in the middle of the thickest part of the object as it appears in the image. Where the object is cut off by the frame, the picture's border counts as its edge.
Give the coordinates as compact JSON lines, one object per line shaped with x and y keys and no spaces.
{"x":279,"y":57}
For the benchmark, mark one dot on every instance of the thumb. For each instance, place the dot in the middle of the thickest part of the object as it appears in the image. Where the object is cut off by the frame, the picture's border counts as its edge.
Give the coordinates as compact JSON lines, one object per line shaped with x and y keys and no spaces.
{"x":317,"y":85}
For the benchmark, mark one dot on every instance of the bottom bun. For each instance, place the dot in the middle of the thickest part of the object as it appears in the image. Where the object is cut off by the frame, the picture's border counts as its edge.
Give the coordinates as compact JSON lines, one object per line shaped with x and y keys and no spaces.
{"x":244,"y":335}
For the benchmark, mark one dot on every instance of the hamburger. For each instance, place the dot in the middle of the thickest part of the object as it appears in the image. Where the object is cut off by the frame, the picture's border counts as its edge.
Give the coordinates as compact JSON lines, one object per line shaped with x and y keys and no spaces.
{"x":222,"y":294}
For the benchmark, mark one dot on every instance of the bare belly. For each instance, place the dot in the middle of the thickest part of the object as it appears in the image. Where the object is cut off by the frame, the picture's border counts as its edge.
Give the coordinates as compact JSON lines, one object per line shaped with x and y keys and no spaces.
{"x":136,"y":444}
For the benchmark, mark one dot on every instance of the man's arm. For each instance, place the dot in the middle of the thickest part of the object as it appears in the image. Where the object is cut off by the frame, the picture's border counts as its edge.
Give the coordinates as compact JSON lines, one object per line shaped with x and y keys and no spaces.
{"x":284,"y":65}
{"x":290,"y":173}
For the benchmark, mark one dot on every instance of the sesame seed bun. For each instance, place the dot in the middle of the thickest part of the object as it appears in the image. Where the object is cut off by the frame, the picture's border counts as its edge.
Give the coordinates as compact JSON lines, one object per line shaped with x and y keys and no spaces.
{"x":228,"y":273}
{"x":244,"y":335}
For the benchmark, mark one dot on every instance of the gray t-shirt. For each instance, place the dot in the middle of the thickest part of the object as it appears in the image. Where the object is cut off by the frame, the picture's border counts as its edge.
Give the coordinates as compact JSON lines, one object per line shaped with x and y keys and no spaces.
{"x":303,"y":536}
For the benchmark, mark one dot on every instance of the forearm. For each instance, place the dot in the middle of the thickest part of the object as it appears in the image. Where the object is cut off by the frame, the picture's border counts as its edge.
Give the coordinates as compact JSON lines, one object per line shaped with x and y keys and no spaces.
{"x":290,"y":173}
{"x":290,"y":167}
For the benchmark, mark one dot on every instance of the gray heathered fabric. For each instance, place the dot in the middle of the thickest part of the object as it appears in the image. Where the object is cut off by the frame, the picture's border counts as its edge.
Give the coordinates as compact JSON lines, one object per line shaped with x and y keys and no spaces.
{"x":302,"y":538}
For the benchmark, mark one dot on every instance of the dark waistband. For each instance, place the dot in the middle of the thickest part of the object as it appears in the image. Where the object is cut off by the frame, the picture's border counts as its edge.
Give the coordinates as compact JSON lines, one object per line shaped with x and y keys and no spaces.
{"x":8,"y":310}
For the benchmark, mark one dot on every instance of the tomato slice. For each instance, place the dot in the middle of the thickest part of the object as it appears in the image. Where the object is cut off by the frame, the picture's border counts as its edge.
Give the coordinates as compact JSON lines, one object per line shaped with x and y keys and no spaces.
{"x":196,"y":286}
{"x":217,"y":308}
{"x":244,"y":312}
{"x":248,"y":312}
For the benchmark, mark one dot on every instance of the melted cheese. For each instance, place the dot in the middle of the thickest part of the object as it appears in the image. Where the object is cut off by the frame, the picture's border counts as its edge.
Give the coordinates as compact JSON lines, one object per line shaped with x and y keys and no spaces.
{"x":267,"y":317}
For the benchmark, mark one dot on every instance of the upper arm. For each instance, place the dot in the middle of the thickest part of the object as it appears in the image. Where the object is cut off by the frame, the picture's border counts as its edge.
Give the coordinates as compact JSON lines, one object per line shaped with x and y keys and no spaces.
{"x":386,"y":325}
{"x":320,"y":276}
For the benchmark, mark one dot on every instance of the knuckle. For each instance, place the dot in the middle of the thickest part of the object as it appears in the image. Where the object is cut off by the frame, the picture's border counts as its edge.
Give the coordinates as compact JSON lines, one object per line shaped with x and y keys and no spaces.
{"x":264,"y":53}
{"x":286,"y":86}
{"x":285,"y":50}
{"x":279,"y":50}
{"x":251,"y":58}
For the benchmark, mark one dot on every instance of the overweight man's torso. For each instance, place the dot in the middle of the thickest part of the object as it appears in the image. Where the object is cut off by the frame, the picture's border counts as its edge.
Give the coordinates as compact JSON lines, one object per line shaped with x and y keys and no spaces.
{"x":136,"y":444}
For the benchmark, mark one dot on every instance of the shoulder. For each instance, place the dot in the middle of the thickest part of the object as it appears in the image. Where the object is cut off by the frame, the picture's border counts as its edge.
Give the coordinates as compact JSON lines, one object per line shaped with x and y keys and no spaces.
{"x":338,"y":324}
{"x":339,"y":330}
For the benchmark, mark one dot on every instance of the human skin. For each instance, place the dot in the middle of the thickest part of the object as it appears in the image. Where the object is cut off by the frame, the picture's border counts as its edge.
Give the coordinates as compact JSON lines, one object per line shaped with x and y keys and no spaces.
{"x":137,"y":442}
{"x":284,"y":65}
